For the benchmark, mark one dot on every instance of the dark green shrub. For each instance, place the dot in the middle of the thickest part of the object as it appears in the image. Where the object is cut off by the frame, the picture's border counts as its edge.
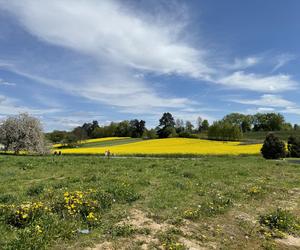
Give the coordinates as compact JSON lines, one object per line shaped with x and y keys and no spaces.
{"x":294,"y":146}
{"x":273,"y":147}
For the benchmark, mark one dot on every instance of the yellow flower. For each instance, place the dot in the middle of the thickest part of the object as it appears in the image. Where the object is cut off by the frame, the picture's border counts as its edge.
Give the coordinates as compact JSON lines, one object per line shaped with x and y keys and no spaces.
{"x":91,"y":217}
{"x":38,"y":229}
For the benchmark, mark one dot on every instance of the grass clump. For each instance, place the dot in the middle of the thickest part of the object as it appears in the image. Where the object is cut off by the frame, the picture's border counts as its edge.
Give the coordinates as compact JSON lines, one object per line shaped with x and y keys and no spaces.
{"x":279,"y":222}
{"x":122,"y":230}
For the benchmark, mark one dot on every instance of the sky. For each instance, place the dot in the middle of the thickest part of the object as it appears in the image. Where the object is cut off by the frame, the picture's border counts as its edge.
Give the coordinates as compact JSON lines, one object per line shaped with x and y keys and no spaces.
{"x":73,"y":61}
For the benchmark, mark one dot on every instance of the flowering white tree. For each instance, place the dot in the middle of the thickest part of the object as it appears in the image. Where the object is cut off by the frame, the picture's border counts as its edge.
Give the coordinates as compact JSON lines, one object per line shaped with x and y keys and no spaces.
{"x":23,"y":132}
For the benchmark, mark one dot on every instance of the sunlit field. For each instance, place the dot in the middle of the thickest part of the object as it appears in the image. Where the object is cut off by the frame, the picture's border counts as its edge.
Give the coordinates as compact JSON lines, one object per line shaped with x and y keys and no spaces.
{"x":171,"y":146}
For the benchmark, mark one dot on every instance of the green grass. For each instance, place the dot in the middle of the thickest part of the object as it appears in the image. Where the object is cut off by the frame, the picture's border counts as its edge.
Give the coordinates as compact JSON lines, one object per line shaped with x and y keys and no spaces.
{"x":206,"y":200}
{"x":261,"y":135}
{"x":109,"y":143}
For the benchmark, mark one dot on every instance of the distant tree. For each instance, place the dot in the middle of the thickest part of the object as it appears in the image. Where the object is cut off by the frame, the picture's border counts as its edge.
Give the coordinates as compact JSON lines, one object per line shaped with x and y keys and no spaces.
{"x":70,"y":140}
{"x":241,"y":120}
{"x":205,"y":125}
{"x":90,"y":127}
{"x":123,"y":129}
{"x":224,"y":131}
{"x":99,"y":132}
{"x":199,"y":124}
{"x":246,"y":126}
{"x":56,"y":136}
{"x":179,"y":126}
{"x":296,"y":127}
{"x":80,"y":133}
{"x":166,"y":125}
{"x":268,"y":122}
{"x":150,"y":134}
{"x":294,"y":146}
{"x":23,"y":132}
{"x":137,"y":128}
{"x":189,"y":127}
{"x":273,"y":147}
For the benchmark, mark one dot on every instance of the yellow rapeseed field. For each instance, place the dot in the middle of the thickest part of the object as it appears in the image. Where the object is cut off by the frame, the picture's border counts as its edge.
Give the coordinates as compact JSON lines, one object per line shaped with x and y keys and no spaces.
{"x":173,"y":146}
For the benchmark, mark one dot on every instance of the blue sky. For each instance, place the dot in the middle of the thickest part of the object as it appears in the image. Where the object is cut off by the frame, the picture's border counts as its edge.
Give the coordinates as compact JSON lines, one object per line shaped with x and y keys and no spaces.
{"x":69,"y":62}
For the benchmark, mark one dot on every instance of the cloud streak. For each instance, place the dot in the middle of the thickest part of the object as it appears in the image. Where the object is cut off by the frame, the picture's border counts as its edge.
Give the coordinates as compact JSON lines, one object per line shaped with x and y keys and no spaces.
{"x":268,"y":101}
{"x":257,"y":82}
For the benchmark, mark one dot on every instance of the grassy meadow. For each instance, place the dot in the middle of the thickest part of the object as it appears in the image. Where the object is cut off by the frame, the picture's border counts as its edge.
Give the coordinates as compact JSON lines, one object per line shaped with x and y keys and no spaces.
{"x":88,"y":202}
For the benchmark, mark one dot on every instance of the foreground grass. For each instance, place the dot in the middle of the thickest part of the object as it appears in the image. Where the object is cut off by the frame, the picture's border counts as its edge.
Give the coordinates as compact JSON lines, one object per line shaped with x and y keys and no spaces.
{"x":210,"y":201}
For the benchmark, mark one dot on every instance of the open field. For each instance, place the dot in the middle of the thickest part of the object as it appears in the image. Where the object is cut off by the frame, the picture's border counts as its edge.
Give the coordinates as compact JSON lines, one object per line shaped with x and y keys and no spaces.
{"x":95,"y":141}
{"x":213,"y":202}
{"x":177,"y":146}
{"x":261,"y":135}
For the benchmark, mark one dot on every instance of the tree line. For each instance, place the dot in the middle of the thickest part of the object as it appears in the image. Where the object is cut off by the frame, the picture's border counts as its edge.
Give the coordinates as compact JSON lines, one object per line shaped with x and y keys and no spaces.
{"x":230,"y":127}
{"x":24,"y":132}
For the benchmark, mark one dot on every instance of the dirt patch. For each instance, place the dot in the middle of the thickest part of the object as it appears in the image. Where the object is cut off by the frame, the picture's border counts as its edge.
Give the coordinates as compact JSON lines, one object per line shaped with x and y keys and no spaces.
{"x":139,"y":219}
{"x":241,"y":216}
{"x":192,"y":244}
{"x":289,"y":241}
{"x":293,"y":201}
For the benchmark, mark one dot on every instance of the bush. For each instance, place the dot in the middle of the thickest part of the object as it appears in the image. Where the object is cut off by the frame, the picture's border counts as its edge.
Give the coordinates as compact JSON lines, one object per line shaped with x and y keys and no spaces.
{"x":294,"y":146}
{"x":273,"y":147}
{"x":280,"y":219}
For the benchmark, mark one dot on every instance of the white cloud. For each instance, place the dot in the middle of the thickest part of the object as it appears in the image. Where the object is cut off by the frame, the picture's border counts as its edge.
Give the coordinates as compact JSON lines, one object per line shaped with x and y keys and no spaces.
{"x":259,"y":83}
{"x":115,"y":87}
{"x":282,"y":60}
{"x":108,"y":30}
{"x":5,"y":83}
{"x":267,"y":100}
{"x":11,"y":106}
{"x":243,"y":63}
{"x":291,"y":110}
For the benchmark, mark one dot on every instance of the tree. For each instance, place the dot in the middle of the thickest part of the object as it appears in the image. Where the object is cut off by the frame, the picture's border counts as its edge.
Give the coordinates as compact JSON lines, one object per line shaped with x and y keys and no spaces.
{"x":273,"y":147}
{"x":296,"y":127}
{"x":123,"y":129}
{"x":179,"y":126}
{"x":137,"y":128}
{"x":80,"y":133}
{"x":268,"y":122}
{"x":224,"y":131}
{"x":70,"y":140}
{"x":189,"y":127}
{"x":205,"y":125}
{"x":294,"y":146}
{"x":150,"y":134}
{"x":166,"y":125}
{"x":56,"y":136}
{"x":241,"y":120}
{"x":90,"y":127}
{"x":23,"y":132}
{"x":199,"y":124}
